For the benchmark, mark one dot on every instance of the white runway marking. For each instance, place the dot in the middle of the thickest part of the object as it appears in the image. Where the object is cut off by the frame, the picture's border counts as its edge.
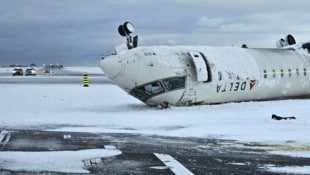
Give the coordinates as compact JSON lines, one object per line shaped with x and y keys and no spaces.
{"x":176,"y":167}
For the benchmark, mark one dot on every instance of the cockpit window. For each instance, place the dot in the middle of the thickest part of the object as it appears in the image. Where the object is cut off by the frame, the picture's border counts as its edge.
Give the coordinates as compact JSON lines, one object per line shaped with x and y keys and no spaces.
{"x":152,"y":88}
{"x":174,"y":83}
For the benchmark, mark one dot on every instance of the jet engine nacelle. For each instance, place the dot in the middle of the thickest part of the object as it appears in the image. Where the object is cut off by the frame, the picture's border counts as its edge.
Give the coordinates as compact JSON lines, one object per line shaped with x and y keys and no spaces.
{"x":306,"y":46}
{"x":289,"y":40}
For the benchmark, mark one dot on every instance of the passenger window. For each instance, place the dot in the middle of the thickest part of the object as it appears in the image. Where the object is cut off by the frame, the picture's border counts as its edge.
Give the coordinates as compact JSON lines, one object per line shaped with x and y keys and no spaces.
{"x":289,"y":72}
{"x":265,"y":74}
{"x":297,"y":72}
{"x":274,"y":73}
{"x":282,"y":73}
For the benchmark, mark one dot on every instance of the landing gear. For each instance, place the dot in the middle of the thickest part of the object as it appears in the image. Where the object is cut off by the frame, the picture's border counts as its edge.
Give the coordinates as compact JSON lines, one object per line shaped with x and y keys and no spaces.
{"x":125,"y":30}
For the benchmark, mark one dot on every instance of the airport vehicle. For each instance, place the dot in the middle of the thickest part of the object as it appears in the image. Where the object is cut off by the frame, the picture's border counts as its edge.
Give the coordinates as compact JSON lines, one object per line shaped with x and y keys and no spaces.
{"x":30,"y":71}
{"x":17,"y":71}
{"x":187,"y":75}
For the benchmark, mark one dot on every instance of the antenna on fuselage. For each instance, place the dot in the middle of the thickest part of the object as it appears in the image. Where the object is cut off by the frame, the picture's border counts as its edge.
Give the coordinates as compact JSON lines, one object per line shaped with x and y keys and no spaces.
{"x":125,"y":30}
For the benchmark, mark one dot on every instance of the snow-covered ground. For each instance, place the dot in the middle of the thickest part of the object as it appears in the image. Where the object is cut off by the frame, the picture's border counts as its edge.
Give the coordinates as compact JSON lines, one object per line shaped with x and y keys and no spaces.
{"x":88,"y":70}
{"x":106,"y":108}
{"x":54,"y":161}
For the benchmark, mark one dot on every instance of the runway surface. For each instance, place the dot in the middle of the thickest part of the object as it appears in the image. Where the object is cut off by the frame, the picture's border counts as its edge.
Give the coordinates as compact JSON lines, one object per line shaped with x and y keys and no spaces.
{"x":139,"y":153}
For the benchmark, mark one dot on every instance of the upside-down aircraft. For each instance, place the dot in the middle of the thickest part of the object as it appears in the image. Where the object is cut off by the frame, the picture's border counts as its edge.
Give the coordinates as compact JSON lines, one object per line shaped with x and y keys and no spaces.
{"x":187,"y":75}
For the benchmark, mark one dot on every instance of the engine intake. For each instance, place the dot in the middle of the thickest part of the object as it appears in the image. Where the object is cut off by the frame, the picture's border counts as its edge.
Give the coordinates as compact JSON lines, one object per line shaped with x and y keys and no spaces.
{"x":289,"y":40}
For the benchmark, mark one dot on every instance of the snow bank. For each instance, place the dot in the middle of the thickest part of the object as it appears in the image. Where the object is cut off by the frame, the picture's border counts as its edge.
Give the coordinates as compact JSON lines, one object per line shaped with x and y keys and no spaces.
{"x":293,"y":153}
{"x":5,"y":70}
{"x":288,"y":169}
{"x":54,"y":161}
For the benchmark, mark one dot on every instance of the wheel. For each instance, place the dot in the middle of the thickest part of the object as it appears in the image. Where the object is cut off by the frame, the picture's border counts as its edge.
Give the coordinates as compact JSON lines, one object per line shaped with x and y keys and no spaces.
{"x":128,"y":27}
{"x":121,"y":30}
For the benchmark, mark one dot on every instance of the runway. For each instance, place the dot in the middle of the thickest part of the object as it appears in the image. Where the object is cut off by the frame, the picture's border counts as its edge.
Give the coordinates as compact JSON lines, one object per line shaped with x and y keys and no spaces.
{"x":139,"y":154}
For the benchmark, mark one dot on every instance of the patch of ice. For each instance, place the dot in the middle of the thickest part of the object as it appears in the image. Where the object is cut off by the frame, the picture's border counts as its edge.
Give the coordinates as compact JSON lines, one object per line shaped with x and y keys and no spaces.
{"x":159,"y":167}
{"x":67,"y":136}
{"x":236,"y":163}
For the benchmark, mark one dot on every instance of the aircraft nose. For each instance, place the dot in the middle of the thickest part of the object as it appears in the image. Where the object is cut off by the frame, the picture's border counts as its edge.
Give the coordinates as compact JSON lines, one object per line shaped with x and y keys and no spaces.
{"x":111,"y":66}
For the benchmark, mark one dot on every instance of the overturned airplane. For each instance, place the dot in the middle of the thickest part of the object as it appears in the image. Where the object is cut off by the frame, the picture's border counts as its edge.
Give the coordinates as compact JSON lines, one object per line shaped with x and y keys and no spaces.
{"x":187,"y":75}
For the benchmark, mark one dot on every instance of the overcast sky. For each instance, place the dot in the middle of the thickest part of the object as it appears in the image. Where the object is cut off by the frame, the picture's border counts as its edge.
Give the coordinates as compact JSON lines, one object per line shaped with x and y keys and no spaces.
{"x":76,"y":32}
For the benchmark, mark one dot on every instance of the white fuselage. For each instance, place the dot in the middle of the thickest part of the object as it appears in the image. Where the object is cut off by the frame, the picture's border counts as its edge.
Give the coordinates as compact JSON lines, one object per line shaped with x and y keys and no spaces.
{"x":184,"y":75}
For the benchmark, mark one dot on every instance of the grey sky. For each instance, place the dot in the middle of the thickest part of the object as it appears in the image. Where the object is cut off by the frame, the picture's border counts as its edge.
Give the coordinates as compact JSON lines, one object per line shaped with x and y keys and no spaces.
{"x":78,"y":31}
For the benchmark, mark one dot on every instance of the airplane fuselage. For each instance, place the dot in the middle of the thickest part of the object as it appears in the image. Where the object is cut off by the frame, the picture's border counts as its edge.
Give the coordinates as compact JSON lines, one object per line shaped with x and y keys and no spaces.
{"x":185,"y":75}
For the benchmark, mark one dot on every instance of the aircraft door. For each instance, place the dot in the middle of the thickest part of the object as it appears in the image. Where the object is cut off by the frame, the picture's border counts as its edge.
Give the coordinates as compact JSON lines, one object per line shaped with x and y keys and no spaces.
{"x":201,"y":66}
